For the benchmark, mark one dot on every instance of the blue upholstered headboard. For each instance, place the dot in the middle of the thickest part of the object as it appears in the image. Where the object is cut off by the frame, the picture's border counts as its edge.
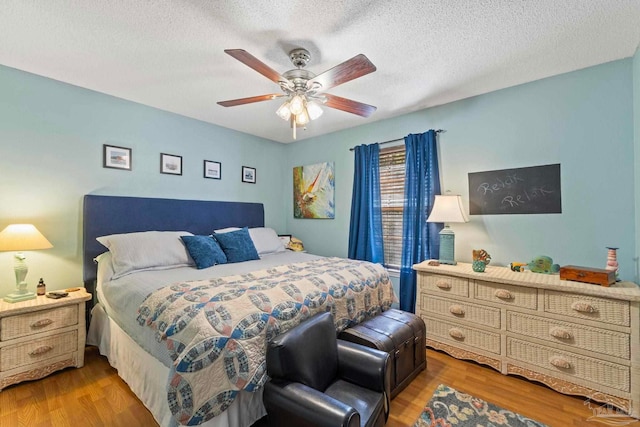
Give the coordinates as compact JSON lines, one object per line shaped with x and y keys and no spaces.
{"x":104,"y":215}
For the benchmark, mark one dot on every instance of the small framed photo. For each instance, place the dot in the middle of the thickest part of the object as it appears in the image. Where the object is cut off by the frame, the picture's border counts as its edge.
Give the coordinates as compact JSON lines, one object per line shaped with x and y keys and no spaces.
{"x":170,"y":164}
{"x":248,"y":174}
{"x":212,"y":170}
{"x":116,"y":157}
{"x":285,"y":239}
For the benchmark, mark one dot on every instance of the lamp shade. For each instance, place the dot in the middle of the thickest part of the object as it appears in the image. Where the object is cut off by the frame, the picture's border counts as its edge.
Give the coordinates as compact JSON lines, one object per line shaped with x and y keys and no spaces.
{"x":448,"y":208}
{"x":296,"y":105}
{"x":283,"y":112}
{"x":22,"y":237}
{"x":302,"y":118}
{"x":314,"y":110}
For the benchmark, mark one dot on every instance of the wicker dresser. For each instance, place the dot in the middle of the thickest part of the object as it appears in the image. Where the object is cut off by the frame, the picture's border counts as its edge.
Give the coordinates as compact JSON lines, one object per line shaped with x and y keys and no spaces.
{"x":40,"y":336}
{"x":577,"y":338}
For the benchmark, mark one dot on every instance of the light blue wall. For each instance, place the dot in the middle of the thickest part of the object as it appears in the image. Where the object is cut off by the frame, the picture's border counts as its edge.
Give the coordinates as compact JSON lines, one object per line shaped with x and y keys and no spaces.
{"x":636,"y":134}
{"x":582,"y":120}
{"x":51,"y":137}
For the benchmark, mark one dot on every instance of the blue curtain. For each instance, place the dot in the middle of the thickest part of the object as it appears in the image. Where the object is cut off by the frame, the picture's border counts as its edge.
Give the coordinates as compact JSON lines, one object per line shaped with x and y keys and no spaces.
{"x":365,"y":230}
{"x":420,"y":240}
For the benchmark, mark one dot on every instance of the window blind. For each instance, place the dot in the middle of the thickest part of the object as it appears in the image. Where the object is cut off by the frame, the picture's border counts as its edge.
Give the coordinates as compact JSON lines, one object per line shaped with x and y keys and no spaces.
{"x":392,"y":169}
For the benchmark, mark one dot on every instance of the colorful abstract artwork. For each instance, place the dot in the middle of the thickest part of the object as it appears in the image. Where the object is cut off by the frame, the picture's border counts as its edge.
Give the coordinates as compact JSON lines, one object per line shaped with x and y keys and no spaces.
{"x":314,"y":191}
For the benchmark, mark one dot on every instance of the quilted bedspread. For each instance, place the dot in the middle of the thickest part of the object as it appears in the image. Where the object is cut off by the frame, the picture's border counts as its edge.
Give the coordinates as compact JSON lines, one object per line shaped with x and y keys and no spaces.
{"x":216,"y":330}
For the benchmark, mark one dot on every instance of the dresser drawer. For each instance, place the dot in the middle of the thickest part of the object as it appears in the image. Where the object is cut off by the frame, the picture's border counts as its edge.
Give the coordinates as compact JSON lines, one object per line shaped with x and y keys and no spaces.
{"x":445,"y":285}
{"x":39,"y":321}
{"x":479,"y":314}
{"x":612,"y":343}
{"x":598,"y":372}
{"x":507,"y":294}
{"x":456,"y":334}
{"x":27,"y":353}
{"x":615,"y":312}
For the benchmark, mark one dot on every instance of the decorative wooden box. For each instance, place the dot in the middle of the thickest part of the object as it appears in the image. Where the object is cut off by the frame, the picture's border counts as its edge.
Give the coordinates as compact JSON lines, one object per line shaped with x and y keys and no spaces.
{"x":597,"y":276}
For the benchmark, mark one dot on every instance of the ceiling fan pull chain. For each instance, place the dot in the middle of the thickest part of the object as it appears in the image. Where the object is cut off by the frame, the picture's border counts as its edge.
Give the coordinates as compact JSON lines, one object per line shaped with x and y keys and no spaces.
{"x":293,"y":125}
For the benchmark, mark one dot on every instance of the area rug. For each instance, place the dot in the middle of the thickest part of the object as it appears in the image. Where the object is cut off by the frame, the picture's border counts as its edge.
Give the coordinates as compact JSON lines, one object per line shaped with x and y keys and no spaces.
{"x":451,"y":408}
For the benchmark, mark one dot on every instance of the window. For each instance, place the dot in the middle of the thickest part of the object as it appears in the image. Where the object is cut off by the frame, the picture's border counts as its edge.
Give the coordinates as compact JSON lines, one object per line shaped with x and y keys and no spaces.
{"x":392,"y":169}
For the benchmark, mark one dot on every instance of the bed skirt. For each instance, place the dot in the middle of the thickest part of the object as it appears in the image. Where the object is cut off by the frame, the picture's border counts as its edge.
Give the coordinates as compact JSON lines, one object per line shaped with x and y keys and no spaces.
{"x":146,"y":376}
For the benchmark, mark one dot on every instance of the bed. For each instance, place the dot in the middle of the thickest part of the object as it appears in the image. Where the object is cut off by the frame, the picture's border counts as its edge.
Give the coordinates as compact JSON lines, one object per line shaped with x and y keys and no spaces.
{"x":188,"y":340}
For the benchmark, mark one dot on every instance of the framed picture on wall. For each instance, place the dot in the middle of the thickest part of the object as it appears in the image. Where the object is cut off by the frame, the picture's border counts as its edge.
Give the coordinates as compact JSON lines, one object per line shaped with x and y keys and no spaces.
{"x":170,"y":164}
{"x":249,"y":175}
{"x":212,"y":170}
{"x":116,"y":157}
{"x":314,"y":191}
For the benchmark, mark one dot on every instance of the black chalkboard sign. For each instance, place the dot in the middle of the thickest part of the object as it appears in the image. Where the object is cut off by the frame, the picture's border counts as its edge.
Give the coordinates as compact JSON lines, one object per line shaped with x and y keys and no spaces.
{"x":531,"y":190}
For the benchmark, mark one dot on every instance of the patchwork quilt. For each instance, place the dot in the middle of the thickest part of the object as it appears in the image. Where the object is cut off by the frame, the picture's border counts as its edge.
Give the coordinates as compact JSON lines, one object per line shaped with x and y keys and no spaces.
{"x":216,"y":330}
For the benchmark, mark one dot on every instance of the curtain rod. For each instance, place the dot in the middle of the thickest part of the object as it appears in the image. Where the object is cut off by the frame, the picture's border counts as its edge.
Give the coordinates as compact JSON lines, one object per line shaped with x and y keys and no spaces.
{"x":397,"y":139}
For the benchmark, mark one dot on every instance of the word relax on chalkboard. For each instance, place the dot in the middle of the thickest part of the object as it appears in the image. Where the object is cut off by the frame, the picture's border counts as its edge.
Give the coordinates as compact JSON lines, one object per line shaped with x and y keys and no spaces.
{"x":517,"y":199}
{"x":532,"y":190}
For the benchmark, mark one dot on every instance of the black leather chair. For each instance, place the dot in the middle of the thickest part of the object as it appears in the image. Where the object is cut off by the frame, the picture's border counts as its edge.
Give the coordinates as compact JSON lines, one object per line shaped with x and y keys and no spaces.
{"x":318,"y":380}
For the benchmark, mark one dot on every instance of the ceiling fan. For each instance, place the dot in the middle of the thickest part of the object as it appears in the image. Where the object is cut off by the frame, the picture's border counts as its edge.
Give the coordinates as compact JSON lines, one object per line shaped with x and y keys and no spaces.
{"x":305,"y":91}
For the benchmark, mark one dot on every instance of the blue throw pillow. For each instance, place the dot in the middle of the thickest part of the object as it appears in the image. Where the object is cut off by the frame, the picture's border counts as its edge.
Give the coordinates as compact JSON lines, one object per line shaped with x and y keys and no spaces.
{"x":237,"y":245}
{"x":204,"y":250}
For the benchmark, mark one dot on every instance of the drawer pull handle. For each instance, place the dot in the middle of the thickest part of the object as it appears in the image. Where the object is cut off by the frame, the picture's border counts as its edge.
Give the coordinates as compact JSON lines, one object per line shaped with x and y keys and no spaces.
{"x":40,"y":350}
{"x":583,"y":307}
{"x":560,"y":333}
{"x":457,"y":310}
{"x":41,"y":323}
{"x":560,"y":362}
{"x":503,"y":294}
{"x":443,"y":285}
{"x":456,"y":333}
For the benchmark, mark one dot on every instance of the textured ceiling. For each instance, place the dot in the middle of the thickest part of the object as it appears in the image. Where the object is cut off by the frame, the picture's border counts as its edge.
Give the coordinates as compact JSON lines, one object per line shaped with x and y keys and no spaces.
{"x":169,"y":54}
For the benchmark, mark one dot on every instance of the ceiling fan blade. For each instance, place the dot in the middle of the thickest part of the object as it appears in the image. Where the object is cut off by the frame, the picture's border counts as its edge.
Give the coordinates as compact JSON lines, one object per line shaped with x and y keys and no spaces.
{"x":252,"y":62}
{"x":355,"y":67}
{"x":349,"y":105}
{"x":242,"y":101}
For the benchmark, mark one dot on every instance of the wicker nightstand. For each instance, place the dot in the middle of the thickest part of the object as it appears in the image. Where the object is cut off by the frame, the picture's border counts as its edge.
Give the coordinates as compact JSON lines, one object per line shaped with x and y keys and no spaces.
{"x":40,"y":336}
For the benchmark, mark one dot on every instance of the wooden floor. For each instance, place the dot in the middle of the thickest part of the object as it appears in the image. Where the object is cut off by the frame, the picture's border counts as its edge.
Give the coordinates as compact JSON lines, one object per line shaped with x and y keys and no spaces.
{"x":95,"y":396}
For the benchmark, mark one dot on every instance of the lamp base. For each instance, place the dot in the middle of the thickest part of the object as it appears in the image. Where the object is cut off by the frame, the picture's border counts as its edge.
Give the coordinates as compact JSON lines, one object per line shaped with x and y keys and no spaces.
{"x":447,"y":246}
{"x":19,"y":296}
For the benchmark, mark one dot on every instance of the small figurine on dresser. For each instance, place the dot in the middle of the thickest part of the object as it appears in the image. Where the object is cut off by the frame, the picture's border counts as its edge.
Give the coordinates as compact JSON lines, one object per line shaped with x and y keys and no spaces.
{"x":543,"y":264}
{"x":518,"y":267}
{"x":42,"y":287}
{"x":612,"y":261}
{"x":481,"y":259}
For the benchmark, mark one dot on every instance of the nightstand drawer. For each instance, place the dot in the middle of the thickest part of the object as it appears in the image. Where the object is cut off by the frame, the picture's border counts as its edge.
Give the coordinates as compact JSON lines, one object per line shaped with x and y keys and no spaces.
{"x":15,"y":356}
{"x":40,"y":321}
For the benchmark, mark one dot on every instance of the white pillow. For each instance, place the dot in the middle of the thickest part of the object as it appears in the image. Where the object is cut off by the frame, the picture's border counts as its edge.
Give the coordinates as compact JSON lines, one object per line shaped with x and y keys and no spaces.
{"x":226,"y":230}
{"x":105,"y":267}
{"x":148,"y":250}
{"x":266,"y":240}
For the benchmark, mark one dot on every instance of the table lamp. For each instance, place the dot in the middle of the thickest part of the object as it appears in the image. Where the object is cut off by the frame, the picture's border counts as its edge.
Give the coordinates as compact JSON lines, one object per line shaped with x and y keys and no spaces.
{"x":447,"y":208}
{"x":21,"y":237}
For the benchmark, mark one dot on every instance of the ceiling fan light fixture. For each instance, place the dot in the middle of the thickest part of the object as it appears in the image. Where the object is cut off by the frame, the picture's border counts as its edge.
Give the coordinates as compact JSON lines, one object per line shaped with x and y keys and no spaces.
{"x":314,"y":110}
{"x":284,"y":112}
{"x":297,"y":105}
{"x":302,"y":118}
{"x":303,"y":90}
